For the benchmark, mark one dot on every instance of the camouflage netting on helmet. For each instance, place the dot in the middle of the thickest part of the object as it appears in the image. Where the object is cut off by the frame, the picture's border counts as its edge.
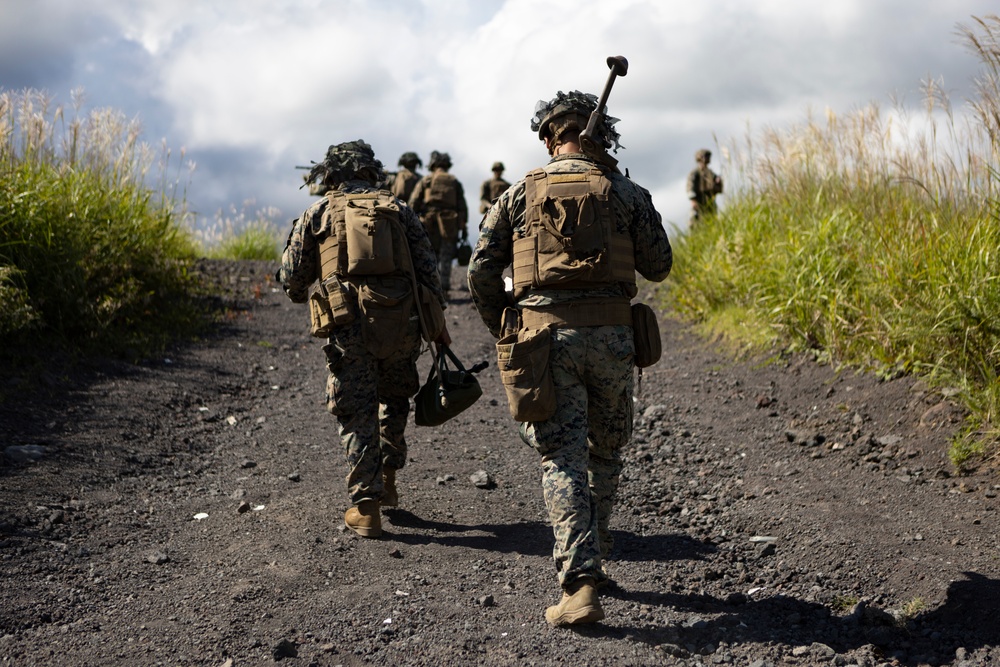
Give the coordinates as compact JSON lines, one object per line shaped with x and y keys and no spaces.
{"x":346,"y":161}
{"x":579,"y":103}
{"x":408,"y":158}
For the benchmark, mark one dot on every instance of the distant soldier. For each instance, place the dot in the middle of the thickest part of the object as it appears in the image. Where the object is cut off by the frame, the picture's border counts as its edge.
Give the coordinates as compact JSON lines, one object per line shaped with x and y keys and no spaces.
{"x":439,"y":199}
{"x":406,"y":178}
{"x":492,"y":188}
{"x":369,"y":252}
{"x":703,"y":185}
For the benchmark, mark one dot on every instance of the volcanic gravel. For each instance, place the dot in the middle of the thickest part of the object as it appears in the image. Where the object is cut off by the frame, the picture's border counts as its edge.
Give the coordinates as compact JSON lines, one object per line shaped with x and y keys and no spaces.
{"x":188,"y":510}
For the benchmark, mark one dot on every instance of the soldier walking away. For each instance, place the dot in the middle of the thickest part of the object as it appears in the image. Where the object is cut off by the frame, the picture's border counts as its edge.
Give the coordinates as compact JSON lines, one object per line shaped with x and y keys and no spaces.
{"x":576,"y":231}
{"x":703,"y":185}
{"x":369,"y":254}
{"x":406,"y":178}
{"x":439,"y":199}
{"x":492,"y":188}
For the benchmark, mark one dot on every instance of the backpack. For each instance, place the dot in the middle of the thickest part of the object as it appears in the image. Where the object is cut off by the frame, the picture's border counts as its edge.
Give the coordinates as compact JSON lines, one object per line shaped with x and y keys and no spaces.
{"x":442,"y":191}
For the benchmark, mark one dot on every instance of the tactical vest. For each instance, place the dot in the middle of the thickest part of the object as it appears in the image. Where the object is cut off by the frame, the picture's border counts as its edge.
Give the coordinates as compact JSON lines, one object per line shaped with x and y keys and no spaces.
{"x":361,"y":236}
{"x":497,"y":187}
{"x":442,"y":191}
{"x":571,"y":239}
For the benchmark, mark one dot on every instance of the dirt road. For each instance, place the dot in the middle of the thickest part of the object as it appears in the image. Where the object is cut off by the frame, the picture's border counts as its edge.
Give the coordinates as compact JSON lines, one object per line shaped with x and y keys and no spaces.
{"x":188,"y":511}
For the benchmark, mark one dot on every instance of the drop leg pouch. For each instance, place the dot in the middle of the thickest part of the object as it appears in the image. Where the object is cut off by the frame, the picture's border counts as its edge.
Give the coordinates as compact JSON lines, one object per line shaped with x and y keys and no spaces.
{"x":523,"y":359}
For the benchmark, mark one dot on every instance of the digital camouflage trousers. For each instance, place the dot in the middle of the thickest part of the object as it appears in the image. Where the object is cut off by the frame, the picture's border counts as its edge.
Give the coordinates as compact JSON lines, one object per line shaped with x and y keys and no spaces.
{"x":371,"y":400}
{"x":581,"y":444}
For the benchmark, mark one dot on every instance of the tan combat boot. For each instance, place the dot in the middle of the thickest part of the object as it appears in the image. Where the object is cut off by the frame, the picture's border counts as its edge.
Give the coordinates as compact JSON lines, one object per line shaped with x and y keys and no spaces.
{"x":390,"y":497}
{"x":364,"y":519}
{"x":579,"y":604}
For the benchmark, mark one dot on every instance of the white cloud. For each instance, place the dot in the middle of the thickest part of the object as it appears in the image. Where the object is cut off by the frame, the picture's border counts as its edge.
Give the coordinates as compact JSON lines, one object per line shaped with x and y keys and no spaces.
{"x":249,"y":89}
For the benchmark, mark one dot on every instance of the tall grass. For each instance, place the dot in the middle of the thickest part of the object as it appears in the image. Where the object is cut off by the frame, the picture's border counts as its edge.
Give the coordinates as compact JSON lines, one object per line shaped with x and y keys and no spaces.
{"x":241,"y":235}
{"x":870,"y":238}
{"x":90,"y":253}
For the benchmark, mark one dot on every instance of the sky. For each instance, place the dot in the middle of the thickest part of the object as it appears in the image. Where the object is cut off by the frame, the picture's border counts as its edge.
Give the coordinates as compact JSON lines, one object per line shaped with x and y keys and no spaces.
{"x":246,"y":91}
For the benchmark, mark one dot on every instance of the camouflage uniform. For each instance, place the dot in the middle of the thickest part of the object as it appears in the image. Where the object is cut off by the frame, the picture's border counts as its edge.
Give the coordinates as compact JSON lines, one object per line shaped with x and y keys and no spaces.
{"x":407,"y":177}
{"x":444,"y":242}
{"x":703,"y":185}
{"x":369,"y":396}
{"x":591,"y":369}
{"x":492,"y":188}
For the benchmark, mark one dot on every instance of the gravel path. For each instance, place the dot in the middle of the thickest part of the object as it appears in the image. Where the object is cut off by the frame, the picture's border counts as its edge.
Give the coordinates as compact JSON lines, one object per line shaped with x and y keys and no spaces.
{"x":188,"y":511}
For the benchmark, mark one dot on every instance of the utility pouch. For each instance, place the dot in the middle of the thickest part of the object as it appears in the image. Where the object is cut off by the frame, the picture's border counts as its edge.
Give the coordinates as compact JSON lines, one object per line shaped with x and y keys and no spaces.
{"x":523,"y":359}
{"x":368,"y":226}
{"x":431,"y":313}
{"x":320,"y":316}
{"x":338,"y":296}
{"x":646,"y":335}
{"x":386,"y":306}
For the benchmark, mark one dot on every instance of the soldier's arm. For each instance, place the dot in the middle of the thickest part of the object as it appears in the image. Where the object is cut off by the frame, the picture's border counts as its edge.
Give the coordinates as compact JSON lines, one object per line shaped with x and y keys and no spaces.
{"x":417,"y":197}
{"x":492,"y":255}
{"x":653,"y":255}
{"x":463,"y":207}
{"x":299,"y":269}
{"x":692,"y":185}
{"x":425,"y":264}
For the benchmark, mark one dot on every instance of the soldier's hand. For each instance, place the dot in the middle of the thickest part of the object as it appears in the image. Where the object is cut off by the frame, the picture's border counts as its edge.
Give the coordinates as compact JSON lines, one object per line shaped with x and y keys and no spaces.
{"x":444,"y":338}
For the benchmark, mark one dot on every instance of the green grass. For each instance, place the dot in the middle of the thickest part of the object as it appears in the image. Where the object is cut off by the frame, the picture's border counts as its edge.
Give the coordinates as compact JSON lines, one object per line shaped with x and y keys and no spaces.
{"x":90,"y":255}
{"x":869,"y":239}
{"x":241,"y":236}
{"x":96,"y":245}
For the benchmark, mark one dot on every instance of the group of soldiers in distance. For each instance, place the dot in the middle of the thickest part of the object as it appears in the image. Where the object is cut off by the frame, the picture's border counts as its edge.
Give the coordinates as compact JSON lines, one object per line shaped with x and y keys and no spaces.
{"x":439,"y":199}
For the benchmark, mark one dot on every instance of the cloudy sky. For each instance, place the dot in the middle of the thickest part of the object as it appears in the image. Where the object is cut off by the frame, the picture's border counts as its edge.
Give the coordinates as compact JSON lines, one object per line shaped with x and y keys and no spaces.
{"x":250,"y":89}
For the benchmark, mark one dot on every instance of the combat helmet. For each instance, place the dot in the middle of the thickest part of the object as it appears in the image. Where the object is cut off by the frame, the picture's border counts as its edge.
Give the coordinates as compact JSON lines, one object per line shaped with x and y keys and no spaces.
{"x":703,"y":155}
{"x":572,"y":111}
{"x":497,"y":166}
{"x":442,"y":160}
{"x":410,"y":160}
{"x":346,"y":161}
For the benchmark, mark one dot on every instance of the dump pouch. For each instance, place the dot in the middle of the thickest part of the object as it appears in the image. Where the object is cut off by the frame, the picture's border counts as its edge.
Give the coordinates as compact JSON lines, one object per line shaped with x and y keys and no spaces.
{"x":646,"y":335}
{"x":523,"y":359}
{"x":386,"y":305}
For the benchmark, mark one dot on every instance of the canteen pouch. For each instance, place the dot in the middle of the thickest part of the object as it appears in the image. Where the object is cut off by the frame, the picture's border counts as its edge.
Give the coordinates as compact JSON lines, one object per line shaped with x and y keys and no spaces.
{"x":386,"y":306}
{"x":523,"y":359}
{"x":320,"y":317}
{"x":431,"y":313}
{"x":646,"y":335}
{"x":339,"y":297}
